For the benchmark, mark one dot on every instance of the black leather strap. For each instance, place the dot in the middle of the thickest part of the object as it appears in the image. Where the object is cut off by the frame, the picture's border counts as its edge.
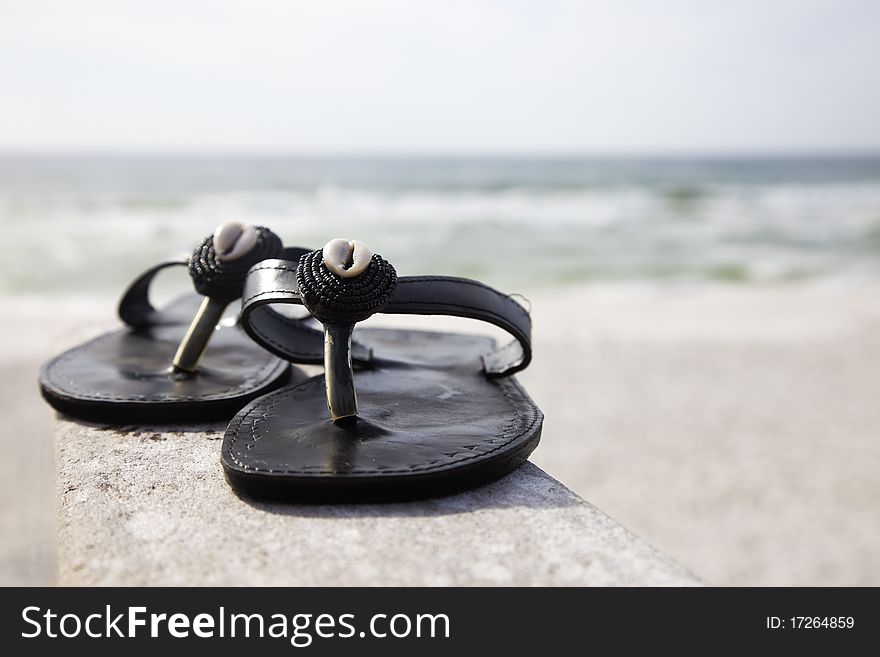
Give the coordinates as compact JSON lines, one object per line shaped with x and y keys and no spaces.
{"x":274,"y":282}
{"x":135,"y":308}
{"x":463,"y":297}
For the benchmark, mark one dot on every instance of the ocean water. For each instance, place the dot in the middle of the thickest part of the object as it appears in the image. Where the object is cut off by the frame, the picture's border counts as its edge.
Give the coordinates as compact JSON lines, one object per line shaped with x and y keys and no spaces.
{"x":88,"y":225}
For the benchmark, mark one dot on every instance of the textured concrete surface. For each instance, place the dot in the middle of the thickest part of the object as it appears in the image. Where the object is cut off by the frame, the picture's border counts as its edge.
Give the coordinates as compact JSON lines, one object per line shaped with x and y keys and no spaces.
{"x":140,"y":507}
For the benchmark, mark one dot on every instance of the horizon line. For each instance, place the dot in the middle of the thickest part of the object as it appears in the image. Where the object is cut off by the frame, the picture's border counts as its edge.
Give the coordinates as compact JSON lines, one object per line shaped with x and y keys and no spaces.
{"x":354,"y":154}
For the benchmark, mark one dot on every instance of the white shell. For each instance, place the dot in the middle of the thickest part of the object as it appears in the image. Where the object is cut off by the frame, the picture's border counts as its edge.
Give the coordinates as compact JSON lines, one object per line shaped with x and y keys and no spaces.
{"x":234,"y":239}
{"x":346,"y":258}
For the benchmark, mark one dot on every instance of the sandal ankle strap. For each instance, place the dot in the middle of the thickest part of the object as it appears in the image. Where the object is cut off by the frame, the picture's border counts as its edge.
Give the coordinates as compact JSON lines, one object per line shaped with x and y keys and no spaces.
{"x":274,"y":282}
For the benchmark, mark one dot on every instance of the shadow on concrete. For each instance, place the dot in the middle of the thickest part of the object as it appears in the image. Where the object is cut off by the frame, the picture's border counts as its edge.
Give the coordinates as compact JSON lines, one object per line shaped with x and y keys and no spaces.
{"x":526,"y":487}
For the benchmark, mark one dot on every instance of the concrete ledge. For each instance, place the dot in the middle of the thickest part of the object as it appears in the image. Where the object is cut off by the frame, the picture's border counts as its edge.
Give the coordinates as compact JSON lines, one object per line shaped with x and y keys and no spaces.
{"x":139,"y":507}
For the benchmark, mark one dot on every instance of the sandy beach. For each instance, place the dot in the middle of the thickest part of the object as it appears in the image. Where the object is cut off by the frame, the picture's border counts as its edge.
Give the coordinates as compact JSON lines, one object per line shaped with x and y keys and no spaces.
{"x":734,"y":427}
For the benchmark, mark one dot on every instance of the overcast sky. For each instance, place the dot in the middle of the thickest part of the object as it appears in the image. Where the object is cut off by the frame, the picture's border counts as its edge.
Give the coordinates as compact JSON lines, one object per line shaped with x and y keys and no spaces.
{"x":440,"y":76}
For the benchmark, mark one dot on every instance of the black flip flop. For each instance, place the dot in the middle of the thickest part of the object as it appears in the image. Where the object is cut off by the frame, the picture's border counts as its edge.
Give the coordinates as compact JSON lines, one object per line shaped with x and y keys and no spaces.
{"x":179,"y":363}
{"x":434,"y":412}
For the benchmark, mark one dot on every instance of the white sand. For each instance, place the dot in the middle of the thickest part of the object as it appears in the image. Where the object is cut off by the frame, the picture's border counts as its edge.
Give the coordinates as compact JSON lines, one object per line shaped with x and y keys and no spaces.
{"x":28,"y":334}
{"x":736,"y":428}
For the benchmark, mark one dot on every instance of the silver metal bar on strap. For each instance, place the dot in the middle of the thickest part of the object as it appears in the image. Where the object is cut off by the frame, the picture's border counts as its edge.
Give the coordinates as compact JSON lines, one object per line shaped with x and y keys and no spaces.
{"x":197,"y":336}
{"x":338,"y":374}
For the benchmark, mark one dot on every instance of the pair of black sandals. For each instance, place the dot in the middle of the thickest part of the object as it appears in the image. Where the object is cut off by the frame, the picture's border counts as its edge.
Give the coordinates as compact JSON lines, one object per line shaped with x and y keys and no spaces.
{"x":434,"y":412}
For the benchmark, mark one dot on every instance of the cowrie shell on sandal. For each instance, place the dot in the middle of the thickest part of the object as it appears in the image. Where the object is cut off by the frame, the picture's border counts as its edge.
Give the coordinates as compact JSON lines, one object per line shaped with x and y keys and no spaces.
{"x":346,"y":258}
{"x":234,"y":239}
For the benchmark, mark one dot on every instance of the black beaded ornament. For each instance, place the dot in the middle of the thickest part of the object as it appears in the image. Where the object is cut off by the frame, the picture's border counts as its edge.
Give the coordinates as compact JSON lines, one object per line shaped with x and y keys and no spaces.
{"x":332,"y":298}
{"x":223,"y":280}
